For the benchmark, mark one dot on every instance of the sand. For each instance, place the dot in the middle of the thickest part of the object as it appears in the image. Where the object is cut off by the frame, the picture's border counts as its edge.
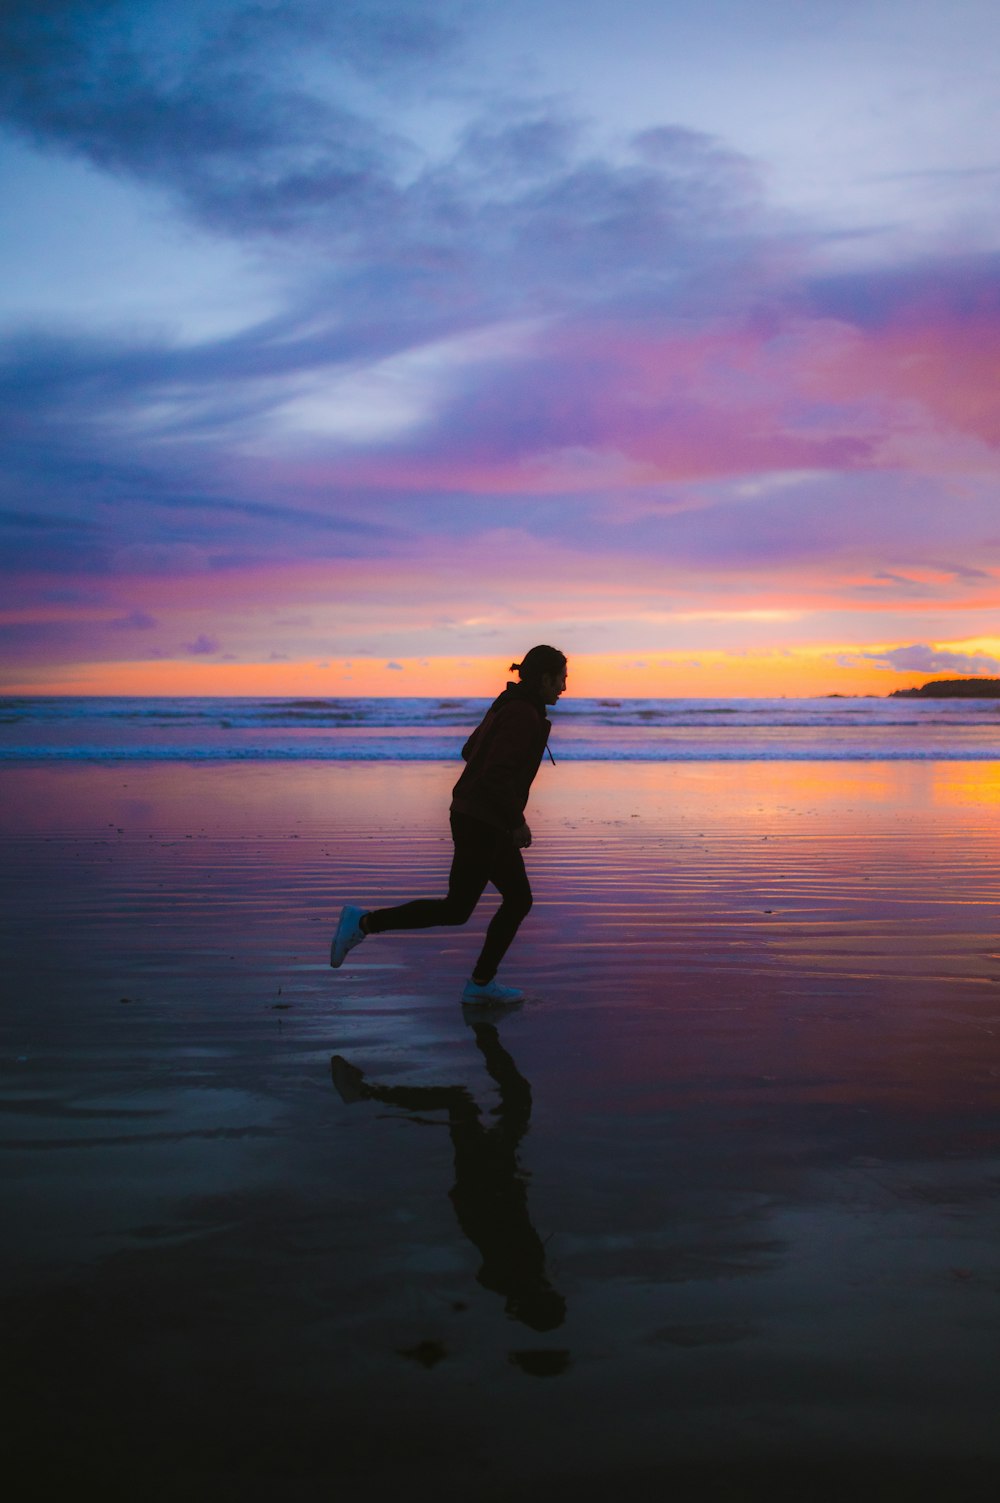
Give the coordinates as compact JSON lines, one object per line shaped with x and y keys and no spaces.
{"x":714,"y":1214}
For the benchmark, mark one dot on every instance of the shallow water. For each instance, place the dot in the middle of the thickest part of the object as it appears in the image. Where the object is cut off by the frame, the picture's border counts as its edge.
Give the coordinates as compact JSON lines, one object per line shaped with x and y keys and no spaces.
{"x":126,"y":729}
{"x":714,"y":1213}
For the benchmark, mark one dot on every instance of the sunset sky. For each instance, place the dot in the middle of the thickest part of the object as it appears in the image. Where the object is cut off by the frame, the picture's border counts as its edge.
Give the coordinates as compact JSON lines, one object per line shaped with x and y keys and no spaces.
{"x":354,"y":347}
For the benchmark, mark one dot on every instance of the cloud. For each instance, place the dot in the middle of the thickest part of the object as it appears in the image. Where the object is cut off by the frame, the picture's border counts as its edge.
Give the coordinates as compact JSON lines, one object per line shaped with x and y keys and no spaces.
{"x":524,"y":217}
{"x":166,"y":559}
{"x":202,"y":646}
{"x":251,"y":120}
{"x":591,"y":363}
{"x":134,"y":621}
{"x":130,"y":430}
{"x":396,"y":667}
{"x":918,"y":292}
{"x":922,"y":658}
{"x":214,"y":114}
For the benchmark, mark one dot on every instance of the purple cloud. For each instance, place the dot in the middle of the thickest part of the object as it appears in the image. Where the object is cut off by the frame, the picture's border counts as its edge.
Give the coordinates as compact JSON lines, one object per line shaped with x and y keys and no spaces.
{"x":921,"y":658}
{"x":595,"y":344}
{"x":134,"y":621}
{"x":212,"y":114}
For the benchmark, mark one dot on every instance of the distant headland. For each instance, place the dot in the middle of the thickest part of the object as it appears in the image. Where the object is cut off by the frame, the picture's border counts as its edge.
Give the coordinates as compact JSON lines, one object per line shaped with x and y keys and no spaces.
{"x":952,"y":688}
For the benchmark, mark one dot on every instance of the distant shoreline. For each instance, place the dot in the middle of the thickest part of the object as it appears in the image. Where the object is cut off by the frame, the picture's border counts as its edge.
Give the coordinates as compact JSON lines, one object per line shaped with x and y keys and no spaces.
{"x":952,"y":688}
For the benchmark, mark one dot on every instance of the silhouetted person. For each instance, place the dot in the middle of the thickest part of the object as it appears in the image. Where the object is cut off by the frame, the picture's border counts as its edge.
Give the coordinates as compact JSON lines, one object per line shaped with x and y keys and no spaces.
{"x":489,"y":1194}
{"x":488,"y":827}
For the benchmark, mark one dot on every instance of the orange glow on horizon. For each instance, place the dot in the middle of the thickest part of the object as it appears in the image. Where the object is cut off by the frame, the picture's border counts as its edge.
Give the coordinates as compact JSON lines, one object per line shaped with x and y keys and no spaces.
{"x":798,"y":672}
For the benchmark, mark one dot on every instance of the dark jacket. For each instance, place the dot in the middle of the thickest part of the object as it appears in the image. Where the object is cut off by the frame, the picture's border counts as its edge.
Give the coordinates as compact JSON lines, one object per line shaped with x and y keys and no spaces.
{"x":502,"y":756}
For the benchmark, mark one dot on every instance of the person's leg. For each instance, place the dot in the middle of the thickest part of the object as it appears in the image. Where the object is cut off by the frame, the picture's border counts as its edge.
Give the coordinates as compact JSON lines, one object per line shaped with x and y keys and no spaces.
{"x":470,"y":871}
{"x":352,"y":1087}
{"x":510,"y":879}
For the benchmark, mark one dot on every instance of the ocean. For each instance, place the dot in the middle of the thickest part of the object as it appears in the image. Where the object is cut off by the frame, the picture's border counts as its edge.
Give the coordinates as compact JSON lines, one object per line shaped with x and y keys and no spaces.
{"x":129,"y":729}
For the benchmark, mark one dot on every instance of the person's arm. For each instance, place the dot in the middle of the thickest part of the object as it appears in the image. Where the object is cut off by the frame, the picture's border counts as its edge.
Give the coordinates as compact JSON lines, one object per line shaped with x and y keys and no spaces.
{"x":506,"y":759}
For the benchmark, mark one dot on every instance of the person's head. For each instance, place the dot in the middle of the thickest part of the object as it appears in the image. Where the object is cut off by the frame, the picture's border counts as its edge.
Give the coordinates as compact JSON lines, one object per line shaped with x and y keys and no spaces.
{"x":543,"y":671}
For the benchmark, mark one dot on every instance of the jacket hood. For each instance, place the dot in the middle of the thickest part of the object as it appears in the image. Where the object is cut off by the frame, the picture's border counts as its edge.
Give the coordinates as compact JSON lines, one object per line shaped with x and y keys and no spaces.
{"x":519,"y":691}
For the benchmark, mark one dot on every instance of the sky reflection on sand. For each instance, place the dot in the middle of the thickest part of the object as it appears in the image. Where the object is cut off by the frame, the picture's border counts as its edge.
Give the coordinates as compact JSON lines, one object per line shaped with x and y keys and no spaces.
{"x":760,"y":1170}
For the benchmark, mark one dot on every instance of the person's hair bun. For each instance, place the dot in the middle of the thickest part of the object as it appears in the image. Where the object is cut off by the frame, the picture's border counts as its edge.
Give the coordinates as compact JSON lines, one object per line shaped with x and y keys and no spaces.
{"x":539,"y":660}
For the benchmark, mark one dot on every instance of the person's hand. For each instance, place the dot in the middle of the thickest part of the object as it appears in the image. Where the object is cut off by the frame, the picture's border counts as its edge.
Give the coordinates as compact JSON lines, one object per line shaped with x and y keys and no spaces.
{"x":522,"y":837}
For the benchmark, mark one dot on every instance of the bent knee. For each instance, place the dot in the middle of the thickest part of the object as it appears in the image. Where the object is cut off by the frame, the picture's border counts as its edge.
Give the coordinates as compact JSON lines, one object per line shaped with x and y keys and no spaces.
{"x":457,"y":913}
{"x":519,"y":904}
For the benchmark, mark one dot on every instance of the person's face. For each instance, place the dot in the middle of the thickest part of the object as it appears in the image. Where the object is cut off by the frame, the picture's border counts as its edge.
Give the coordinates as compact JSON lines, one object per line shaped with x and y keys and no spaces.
{"x":553,"y":684}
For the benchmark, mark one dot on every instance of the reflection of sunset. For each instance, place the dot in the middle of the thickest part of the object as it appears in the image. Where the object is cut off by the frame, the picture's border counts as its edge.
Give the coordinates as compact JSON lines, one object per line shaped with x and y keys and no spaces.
{"x":966,"y":783}
{"x":829,"y":927}
{"x":811,"y":934}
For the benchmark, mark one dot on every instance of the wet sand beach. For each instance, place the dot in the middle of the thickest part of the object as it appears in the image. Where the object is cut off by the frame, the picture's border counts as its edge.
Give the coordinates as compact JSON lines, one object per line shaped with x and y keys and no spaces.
{"x":713,"y":1215}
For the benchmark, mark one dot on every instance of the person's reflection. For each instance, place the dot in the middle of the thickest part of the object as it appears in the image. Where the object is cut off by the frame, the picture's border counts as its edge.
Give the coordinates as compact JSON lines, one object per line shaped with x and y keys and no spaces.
{"x":490,"y":1191}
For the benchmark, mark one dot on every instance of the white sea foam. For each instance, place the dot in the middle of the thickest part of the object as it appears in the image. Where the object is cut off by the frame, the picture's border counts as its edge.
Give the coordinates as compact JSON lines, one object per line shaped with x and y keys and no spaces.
{"x":427,"y":730}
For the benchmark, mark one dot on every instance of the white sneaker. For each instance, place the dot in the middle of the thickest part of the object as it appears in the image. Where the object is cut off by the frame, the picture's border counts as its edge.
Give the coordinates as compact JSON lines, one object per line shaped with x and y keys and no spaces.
{"x":349,"y":933}
{"x":490,"y":991}
{"x":348,"y":1079}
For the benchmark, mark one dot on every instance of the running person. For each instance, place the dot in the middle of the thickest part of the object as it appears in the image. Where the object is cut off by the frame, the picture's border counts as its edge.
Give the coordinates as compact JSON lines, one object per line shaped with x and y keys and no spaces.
{"x":488,"y":827}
